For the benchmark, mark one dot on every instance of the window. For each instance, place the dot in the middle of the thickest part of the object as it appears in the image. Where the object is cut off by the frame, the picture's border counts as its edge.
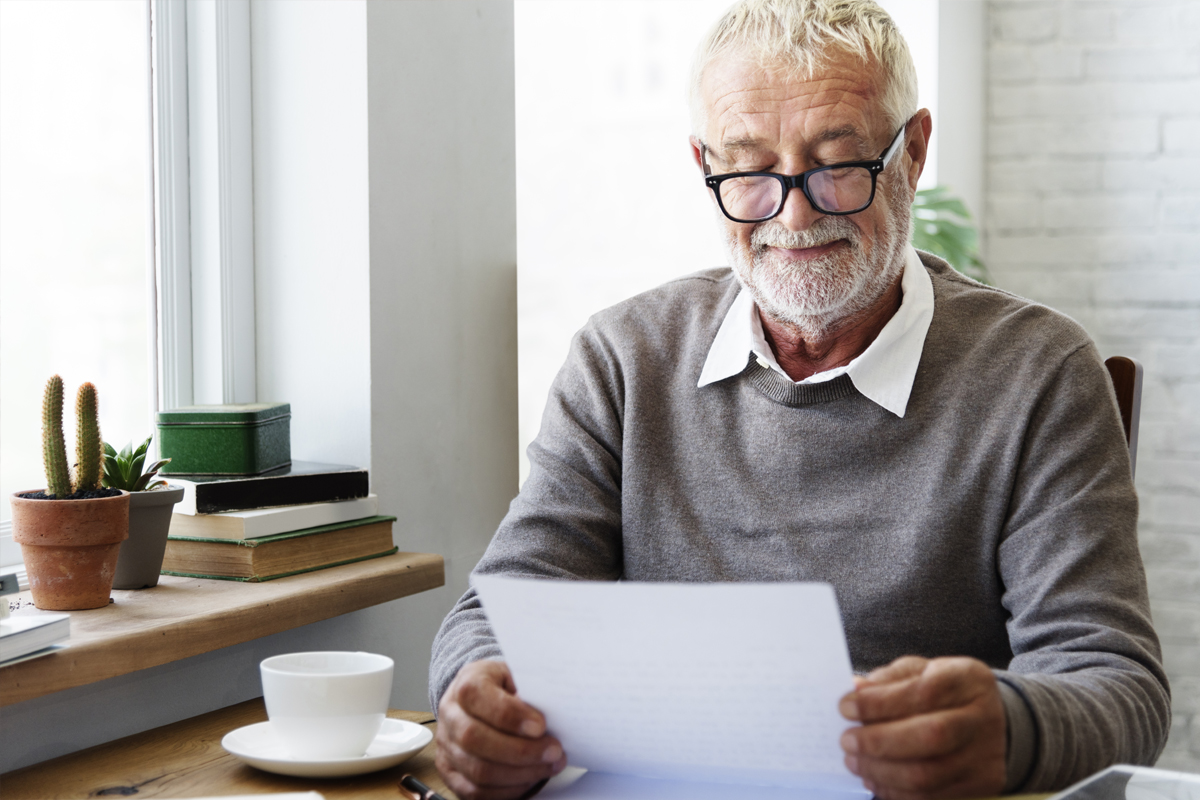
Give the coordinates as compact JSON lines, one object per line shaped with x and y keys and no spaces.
{"x":74,"y":224}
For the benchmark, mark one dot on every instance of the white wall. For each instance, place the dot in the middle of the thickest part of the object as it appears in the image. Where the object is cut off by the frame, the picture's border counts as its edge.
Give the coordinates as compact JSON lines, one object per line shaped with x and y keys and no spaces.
{"x":443,"y":291}
{"x":386,"y":291}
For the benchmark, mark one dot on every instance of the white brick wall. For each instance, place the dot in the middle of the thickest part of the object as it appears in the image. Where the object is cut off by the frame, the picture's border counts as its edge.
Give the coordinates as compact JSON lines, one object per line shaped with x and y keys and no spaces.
{"x":1093,"y":207}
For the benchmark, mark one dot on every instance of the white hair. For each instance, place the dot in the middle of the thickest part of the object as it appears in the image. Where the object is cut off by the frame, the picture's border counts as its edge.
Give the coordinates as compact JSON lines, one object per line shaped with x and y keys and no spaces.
{"x":801,"y":35}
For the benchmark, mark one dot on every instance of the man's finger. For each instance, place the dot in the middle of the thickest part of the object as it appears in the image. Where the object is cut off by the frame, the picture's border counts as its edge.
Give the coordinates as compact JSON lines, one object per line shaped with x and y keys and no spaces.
{"x":925,"y":736}
{"x":960,"y":774}
{"x":486,"y":694}
{"x":481,"y":739}
{"x":900,"y":669}
{"x":904,"y":668}
{"x":944,"y":683}
{"x":490,"y":775}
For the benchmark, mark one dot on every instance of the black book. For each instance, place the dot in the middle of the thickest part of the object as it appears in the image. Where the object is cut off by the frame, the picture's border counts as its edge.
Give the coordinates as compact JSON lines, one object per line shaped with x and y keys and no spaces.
{"x":300,"y":483}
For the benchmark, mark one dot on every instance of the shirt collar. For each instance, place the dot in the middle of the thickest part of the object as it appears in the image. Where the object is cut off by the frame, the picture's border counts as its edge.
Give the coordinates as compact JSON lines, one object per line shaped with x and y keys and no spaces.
{"x":883,"y":373}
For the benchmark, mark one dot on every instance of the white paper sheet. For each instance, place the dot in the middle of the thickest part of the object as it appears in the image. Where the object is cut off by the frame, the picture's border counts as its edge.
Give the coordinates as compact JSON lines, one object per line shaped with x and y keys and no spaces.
{"x":729,"y":683}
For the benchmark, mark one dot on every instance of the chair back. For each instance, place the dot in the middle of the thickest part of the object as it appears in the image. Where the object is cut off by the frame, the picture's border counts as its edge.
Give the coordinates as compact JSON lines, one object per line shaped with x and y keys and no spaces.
{"x":1126,"y":374}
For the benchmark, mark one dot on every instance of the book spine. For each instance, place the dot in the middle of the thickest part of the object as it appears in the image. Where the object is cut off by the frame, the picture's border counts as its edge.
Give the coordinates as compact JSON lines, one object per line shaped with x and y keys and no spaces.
{"x":263,"y":578}
{"x":284,"y":490}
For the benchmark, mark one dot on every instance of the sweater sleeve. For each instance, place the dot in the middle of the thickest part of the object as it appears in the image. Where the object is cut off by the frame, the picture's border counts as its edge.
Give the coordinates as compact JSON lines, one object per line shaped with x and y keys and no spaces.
{"x":1086,"y":659}
{"x":566,"y":522}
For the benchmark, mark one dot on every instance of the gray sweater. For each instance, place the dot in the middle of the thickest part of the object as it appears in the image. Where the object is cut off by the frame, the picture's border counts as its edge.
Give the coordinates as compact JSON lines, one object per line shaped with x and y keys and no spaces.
{"x":996,"y":519}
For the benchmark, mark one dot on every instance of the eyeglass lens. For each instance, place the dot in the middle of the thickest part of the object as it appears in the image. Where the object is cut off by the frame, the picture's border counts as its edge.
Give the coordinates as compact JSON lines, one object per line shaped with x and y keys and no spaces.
{"x":835,"y":190}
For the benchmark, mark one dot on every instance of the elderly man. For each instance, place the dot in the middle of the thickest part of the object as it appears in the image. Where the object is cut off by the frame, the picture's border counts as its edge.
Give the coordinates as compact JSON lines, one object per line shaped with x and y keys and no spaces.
{"x":839,"y":408}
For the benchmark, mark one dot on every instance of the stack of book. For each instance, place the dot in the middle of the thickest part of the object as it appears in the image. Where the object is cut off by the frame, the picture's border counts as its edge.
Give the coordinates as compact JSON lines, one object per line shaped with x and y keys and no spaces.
{"x":253,"y":528}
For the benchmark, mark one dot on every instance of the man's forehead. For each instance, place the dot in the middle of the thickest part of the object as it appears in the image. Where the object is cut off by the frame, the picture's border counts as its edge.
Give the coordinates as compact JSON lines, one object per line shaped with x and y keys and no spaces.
{"x":752,"y":107}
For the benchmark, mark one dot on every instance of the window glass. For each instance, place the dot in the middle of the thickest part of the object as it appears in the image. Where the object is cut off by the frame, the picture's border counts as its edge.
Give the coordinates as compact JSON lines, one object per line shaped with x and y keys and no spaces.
{"x":74,"y":155}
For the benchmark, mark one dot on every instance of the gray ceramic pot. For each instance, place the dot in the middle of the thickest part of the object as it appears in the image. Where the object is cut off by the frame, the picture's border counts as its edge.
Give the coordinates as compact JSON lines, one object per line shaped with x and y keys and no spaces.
{"x":149,"y":522}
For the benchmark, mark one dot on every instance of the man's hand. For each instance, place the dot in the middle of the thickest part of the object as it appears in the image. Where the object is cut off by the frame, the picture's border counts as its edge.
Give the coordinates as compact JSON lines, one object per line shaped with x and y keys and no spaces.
{"x":930,"y":729}
{"x":490,"y":744}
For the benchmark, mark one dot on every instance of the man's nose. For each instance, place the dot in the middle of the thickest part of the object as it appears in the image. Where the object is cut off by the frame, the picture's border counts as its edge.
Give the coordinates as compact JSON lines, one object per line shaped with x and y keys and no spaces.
{"x":798,"y":214}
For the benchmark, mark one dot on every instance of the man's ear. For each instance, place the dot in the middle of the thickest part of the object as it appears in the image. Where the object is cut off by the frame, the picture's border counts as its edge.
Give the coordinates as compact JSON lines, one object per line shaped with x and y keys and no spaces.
{"x":697,"y":152}
{"x":920,"y":128}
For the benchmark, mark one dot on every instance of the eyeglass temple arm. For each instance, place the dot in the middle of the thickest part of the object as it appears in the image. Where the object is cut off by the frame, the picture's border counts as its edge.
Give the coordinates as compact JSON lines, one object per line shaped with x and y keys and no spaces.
{"x":703,"y":161}
{"x":894,"y":147}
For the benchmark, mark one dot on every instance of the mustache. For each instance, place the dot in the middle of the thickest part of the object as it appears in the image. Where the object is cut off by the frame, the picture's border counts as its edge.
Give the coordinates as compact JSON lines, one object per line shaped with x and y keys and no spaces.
{"x":825,"y":230}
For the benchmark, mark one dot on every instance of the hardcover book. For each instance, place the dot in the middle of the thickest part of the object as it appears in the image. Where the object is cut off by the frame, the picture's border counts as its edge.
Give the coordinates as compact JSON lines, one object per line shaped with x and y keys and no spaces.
{"x":261,"y":522}
{"x":22,"y":634}
{"x":300,"y":483}
{"x":283,"y":554}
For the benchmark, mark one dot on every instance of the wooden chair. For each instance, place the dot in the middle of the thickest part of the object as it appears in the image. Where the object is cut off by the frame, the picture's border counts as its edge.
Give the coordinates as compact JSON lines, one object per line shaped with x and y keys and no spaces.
{"x":1126,"y":374}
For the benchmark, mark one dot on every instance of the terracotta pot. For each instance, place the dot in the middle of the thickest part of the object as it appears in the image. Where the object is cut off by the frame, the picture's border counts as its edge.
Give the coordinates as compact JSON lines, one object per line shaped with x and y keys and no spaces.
{"x":70,"y":548}
{"x":149,"y":523}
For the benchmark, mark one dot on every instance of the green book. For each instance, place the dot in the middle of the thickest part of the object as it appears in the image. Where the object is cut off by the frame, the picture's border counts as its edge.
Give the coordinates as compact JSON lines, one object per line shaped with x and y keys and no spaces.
{"x":283,"y":554}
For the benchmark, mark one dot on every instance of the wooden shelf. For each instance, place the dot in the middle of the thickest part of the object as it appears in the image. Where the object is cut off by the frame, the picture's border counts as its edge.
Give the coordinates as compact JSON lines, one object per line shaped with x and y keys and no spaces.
{"x":183,"y":617}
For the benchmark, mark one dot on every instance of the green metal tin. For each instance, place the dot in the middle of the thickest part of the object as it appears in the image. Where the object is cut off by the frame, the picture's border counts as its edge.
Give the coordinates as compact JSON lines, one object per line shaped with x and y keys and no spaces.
{"x":246,"y":439}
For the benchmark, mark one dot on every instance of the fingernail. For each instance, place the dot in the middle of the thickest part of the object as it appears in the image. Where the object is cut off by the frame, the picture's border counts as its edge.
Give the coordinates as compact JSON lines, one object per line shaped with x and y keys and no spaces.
{"x":852,"y":764}
{"x":559,"y":765}
{"x":848,"y":708}
{"x":553,"y":753}
{"x":530,"y":728}
{"x":868,"y":785}
{"x":849,"y":742}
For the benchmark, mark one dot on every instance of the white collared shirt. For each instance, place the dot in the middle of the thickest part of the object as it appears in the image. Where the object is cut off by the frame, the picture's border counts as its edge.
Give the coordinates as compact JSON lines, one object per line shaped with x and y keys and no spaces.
{"x":883,"y":373}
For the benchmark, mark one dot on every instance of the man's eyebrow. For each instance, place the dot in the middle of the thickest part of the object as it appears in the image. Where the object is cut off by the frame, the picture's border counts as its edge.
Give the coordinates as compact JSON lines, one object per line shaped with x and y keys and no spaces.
{"x":741,"y":145}
{"x":833,"y":134}
{"x":733,"y":147}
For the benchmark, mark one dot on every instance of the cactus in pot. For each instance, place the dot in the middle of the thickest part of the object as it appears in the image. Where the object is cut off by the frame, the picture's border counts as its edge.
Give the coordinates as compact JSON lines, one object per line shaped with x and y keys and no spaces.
{"x":89,"y":455}
{"x":54,"y":448}
{"x":70,"y":533}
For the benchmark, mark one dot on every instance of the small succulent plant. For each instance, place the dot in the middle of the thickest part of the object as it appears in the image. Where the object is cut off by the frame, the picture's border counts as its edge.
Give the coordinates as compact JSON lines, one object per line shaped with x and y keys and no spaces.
{"x":123,"y":470}
{"x":88,"y":453}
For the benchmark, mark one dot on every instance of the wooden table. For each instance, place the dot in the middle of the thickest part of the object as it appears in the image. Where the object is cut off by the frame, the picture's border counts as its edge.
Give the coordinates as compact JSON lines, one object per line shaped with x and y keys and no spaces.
{"x":186,"y":760}
{"x":184,"y":617}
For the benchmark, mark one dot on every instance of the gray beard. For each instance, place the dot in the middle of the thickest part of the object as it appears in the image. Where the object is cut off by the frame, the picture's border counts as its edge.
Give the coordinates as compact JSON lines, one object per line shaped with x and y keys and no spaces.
{"x":820,"y":296}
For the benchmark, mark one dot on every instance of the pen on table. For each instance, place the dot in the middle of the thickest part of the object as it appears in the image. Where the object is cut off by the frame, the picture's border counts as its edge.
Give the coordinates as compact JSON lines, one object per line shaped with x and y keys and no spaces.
{"x":418,"y":790}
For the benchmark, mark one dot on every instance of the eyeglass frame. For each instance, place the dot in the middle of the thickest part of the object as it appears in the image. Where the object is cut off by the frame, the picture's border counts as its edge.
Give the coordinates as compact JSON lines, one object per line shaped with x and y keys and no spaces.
{"x":800,"y":181}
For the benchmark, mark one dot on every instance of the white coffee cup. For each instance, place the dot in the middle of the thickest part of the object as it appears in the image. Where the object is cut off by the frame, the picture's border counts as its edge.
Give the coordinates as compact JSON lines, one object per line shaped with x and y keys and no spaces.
{"x":327,"y":705}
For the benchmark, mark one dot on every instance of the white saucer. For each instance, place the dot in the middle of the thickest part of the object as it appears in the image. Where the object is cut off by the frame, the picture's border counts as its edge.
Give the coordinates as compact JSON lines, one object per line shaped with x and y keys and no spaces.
{"x":258,"y":746}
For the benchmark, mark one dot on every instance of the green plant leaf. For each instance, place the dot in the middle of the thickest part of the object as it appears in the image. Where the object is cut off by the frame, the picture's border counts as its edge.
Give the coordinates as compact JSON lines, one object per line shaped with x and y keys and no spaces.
{"x":112,"y":473}
{"x":157,"y":465}
{"x":141,"y":451}
{"x":124,"y":461}
{"x":942,"y":225}
{"x":109,"y":450}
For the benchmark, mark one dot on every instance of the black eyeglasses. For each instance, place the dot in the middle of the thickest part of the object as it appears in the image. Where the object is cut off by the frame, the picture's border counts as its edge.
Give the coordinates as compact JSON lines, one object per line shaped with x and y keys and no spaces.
{"x":837,"y":189}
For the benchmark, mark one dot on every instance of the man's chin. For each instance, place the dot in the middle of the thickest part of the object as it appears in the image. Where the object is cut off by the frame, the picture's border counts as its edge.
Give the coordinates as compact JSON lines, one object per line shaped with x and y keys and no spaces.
{"x":804,"y":316}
